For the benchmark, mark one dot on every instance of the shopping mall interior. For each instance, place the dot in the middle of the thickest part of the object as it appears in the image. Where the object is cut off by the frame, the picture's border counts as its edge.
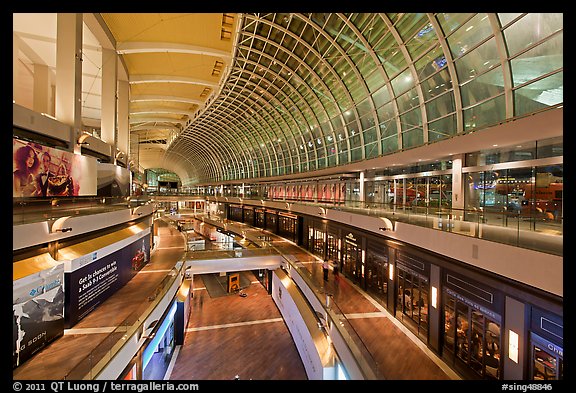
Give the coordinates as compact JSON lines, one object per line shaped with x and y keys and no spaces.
{"x":288,"y":196}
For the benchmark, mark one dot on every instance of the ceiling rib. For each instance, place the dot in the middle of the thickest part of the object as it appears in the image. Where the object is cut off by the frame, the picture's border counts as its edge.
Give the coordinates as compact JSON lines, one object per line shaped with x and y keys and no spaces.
{"x":126,"y":48}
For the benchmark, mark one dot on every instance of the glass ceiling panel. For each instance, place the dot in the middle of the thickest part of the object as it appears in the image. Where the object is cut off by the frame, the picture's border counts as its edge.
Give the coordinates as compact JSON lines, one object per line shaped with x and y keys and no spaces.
{"x":297,"y":77}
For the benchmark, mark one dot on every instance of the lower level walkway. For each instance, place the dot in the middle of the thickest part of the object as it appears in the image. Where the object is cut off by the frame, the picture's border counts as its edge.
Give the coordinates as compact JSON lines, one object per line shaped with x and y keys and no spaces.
{"x":398,"y":353}
{"x":232,"y":335}
{"x":92,"y":336}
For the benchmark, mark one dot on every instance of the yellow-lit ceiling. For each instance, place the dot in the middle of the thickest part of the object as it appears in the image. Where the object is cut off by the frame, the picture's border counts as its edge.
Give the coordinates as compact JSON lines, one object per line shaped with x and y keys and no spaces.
{"x":174,"y":62}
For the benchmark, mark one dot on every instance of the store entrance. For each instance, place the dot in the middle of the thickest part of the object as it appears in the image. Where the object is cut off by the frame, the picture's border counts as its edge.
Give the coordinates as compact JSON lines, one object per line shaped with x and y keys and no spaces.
{"x":472,"y":339}
{"x":412,"y":301}
{"x":352,"y":261}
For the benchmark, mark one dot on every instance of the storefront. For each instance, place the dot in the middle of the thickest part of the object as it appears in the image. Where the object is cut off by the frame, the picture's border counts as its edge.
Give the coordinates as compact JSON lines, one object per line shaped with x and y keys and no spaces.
{"x":546,"y":346}
{"x":413,"y":297}
{"x":264,"y":276}
{"x":235,"y":212}
{"x":316,"y":237}
{"x":352,"y":263}
{"x":288,"y":226}
{"x":333,"y":244}
{"x":377,"y":270}
{"x":260,"y":218}
{"x":472,"y":325}
{"x":271,"y":217}
{"x":248,"y":215}
{"x":157,"y":354}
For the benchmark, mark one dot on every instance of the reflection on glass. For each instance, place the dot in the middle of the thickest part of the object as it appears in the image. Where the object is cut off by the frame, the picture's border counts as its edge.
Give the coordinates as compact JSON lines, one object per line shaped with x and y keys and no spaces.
{"x":492,"y":356}
{"x":449,"y":325}
{"x":545,"y":365}
{"x":474,"y":339}
{"x":462,"y":327}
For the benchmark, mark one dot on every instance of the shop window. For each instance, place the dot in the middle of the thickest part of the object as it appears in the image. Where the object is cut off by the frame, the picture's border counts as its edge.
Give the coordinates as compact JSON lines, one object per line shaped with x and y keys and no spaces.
{"x":471,"y":337}
{"x":547,"y":360}
{"x":412,"y":303}
{"x":449,"y":326}
{"x":332,"y":250}
{"x":462,"y":331}
{"x":352,"y":259}
{"x":377,"y":272}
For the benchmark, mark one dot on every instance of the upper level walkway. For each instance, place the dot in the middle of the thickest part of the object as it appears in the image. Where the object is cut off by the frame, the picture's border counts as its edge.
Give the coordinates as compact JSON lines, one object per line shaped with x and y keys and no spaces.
{"x":531,"y":231}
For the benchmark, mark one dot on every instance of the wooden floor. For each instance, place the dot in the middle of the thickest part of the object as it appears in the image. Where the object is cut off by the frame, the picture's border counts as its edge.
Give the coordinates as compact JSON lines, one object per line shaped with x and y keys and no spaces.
{"x":233,"y":335}
{"x":229,"y":336}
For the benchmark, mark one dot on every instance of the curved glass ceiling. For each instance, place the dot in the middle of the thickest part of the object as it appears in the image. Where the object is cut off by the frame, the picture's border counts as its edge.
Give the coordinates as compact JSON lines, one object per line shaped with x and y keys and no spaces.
{"x":310,"y":91}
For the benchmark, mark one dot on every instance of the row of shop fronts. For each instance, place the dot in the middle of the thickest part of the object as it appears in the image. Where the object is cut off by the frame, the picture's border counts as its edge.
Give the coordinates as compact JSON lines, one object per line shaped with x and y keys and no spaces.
{"x":459,"y":312}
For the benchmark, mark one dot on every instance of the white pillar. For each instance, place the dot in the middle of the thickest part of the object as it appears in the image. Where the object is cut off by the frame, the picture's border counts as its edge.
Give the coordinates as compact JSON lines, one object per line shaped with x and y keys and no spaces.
{"x":123,"y":141}
{"x":42,"y":89}
{"x":457,"y":183}
{"x":69,"y":73}
{"x":362,"y":197}
{"x":15,"y":64}
{"x":109,"y":83}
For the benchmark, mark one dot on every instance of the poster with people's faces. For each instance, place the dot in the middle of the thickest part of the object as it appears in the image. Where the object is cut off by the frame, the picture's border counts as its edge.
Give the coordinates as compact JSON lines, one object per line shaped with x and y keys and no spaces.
{"x":42,"y":171}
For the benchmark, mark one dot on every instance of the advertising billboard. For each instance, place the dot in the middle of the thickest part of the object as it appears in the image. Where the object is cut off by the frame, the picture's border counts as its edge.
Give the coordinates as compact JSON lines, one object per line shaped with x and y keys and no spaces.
{"x":90,"y":285}
{"x":42,"y":171}
{"x":38,"y":312}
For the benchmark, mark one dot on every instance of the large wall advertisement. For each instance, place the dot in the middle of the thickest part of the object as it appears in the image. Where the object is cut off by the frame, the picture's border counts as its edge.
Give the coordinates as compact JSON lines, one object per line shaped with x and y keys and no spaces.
{"x":91,"y":284}
{"x":38,"y":312}
{"x":42,"y":171}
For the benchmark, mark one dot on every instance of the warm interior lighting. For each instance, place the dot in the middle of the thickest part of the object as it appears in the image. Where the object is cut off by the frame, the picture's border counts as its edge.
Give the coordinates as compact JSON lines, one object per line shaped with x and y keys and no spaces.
{"x":434,"y":297}
{"x":391,"y":272}
{"x":48,"y":115}
{"x":513,"y":346}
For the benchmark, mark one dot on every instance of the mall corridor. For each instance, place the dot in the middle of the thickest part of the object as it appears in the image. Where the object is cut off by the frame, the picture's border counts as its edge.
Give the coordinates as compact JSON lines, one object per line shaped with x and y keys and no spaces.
{"x":229,"y":336}
{"x":247,"y":334}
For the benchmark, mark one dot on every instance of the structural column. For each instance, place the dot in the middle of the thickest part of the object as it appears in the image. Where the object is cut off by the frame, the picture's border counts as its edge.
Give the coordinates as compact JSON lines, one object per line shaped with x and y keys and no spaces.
{"x":123,"y":141}
{"x":69,"y":74}
{"x":42,"y":89}
{"x":458,"y":184}
{"x":15,"y":64}
{"x":362,"y":197}
{"x":109,"y":85}
{"x":513,"y":340}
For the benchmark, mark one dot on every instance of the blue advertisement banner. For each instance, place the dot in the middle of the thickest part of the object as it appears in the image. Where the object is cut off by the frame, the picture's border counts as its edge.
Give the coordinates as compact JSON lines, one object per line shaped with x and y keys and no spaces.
{"x":92,"y":284}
